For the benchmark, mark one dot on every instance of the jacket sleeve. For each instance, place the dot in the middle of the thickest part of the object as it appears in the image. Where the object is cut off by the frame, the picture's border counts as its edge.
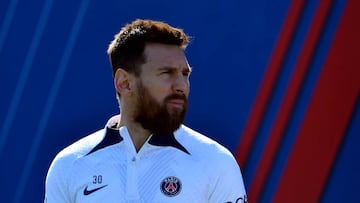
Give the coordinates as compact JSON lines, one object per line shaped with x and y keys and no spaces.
{"x":228,"y":185}
{"x":56,"y":185}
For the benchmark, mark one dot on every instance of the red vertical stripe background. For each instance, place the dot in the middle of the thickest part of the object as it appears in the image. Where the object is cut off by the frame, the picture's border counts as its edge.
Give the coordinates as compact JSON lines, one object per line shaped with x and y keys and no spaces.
{"x":287,"y":104}
{"x":270,"y":77}
{"x":327,"y":116}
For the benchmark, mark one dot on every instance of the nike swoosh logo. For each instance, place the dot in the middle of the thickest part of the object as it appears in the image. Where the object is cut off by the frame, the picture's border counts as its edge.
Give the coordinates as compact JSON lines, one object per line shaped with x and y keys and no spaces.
{"x":88,"y":192}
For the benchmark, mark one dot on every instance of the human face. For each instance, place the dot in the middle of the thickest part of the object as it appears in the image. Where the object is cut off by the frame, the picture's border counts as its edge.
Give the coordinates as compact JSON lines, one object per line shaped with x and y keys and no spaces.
{"x":162,"y":89}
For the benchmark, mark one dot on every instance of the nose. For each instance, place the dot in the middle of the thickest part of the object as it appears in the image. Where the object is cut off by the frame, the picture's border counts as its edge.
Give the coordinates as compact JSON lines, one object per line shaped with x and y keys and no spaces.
{"x":181,"y":85}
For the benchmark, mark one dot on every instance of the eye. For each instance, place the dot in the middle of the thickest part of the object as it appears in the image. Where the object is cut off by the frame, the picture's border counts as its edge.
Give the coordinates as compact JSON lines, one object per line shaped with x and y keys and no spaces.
{"x":186,"y":72}
{"x":166,"y":72}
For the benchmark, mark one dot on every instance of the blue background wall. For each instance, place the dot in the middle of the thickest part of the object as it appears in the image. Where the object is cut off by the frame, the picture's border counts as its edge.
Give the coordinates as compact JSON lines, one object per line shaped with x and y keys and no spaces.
{"x":56,"y":87}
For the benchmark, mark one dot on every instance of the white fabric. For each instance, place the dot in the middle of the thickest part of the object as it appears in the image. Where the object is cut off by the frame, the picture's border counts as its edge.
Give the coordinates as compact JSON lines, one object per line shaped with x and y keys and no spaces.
{"x":209,"y":173}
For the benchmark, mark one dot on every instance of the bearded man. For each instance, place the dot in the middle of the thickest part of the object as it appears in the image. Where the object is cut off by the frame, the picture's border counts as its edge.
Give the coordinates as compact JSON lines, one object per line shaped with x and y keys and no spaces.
{"x":146,"y":154}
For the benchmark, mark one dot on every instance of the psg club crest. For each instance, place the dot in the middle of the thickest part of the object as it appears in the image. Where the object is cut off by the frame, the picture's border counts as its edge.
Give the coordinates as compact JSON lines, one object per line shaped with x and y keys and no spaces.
{"x":170,"y":186}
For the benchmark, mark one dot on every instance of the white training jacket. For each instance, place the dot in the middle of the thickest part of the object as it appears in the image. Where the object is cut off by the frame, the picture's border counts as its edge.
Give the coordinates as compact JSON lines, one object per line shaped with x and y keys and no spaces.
{"x":185,"y":166}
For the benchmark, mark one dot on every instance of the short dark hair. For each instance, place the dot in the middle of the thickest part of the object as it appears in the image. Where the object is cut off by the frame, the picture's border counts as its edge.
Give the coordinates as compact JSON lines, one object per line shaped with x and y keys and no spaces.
{"x":126,"y":50}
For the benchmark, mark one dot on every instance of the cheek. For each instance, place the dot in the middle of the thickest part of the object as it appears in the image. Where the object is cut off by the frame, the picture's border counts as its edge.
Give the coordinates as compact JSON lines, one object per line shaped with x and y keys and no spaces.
{"x":159,"y":89}
{"x":188,"y":87}
{"x":158,"y":93}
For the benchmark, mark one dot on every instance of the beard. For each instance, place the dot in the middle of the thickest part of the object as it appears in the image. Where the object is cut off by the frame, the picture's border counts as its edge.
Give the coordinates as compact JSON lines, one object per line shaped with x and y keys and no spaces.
{"x":155,"y":116}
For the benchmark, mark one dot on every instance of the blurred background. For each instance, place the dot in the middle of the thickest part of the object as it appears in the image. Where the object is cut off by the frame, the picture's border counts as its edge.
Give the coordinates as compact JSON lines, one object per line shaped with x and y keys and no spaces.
{"x":277,"y":82}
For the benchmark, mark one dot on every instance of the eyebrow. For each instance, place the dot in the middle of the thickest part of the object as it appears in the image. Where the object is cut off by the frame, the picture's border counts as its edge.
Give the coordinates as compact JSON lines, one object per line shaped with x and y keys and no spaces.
{"x":189,"y":69}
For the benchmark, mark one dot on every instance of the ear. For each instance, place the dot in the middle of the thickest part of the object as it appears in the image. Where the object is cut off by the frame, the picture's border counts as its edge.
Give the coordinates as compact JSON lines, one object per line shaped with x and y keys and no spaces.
{"x":122,"y":80}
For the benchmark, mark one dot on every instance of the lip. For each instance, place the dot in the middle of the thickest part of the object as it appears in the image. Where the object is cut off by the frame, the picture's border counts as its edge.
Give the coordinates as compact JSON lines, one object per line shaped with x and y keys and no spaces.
{"x":179,"y":103}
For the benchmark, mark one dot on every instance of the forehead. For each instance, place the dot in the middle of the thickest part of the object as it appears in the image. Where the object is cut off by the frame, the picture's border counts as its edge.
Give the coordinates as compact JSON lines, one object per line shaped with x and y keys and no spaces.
{"x":165,"y":55}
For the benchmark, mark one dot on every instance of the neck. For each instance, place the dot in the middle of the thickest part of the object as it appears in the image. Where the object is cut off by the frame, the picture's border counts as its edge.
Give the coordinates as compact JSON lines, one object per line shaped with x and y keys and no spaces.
{"x":138,"y":134}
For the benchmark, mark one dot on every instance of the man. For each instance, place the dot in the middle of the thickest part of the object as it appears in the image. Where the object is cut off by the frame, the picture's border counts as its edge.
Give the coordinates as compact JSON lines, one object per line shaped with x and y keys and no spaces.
{"x":146,"y":154}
